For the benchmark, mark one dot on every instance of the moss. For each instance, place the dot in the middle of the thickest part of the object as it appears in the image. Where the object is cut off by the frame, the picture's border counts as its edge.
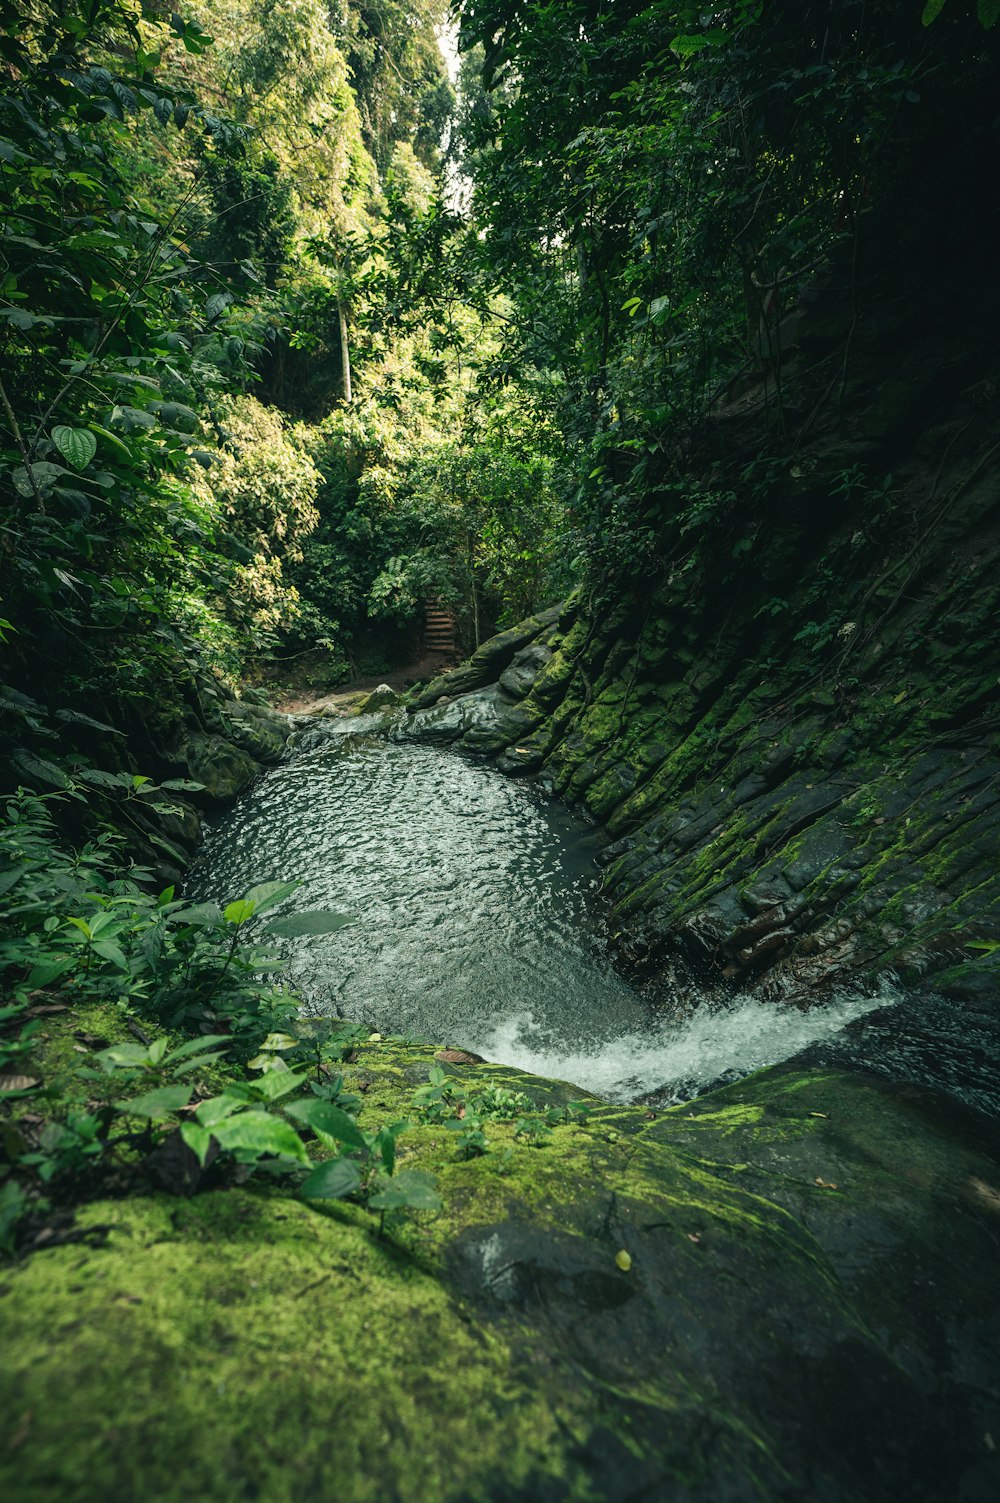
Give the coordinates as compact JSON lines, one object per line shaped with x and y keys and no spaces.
{"x":244,"y":1345}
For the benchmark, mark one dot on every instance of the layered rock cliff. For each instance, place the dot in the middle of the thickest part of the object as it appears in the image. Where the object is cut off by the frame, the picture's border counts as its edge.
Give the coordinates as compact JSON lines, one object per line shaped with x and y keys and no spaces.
{"x":786,"y":716}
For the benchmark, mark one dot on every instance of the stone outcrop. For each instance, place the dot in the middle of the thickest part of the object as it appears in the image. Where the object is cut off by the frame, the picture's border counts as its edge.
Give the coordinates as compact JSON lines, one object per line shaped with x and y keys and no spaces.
{"x":791,"y":729}
{"x":784,"y":1290}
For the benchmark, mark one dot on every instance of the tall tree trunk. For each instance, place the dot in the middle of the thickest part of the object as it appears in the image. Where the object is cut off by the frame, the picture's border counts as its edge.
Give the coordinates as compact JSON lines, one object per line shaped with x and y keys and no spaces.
{"x":345,"y":352}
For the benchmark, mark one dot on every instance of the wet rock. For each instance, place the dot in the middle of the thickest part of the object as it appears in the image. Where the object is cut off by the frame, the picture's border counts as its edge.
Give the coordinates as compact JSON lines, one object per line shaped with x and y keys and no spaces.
{"x":260,"y":731}
{"x":380,"y":698}
{"x":452,"y":720}
{"x":223,"y":768}
{"x":488,"y":661}
{"x":517,"y":680}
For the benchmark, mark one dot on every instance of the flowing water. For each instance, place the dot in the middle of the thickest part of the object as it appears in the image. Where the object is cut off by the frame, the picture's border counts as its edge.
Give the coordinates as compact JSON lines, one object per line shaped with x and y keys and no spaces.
{"x":474,"y":920}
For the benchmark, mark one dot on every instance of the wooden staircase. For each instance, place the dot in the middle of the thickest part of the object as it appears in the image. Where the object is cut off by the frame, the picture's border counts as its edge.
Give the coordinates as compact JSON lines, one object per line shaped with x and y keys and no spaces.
{"x":439,"y":630}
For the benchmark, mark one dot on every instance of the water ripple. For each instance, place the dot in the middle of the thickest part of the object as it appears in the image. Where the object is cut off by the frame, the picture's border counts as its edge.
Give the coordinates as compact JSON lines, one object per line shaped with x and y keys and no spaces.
{"x":472,"y":900}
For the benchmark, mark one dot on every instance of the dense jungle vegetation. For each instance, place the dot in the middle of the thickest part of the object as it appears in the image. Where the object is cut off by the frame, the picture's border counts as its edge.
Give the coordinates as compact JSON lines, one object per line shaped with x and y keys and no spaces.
{"x":298,"y":334}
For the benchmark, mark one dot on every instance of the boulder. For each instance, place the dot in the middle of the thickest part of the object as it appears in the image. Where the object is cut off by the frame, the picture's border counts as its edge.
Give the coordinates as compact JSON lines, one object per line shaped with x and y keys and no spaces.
{"x":517,"y":680}
{"x":784,"y":1290}
{"x":382,"y":698}
{"x":488,"y":661}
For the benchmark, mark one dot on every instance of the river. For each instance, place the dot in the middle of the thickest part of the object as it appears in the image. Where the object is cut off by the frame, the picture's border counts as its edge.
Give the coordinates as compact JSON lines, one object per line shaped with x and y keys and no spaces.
{"x":475,"y":920}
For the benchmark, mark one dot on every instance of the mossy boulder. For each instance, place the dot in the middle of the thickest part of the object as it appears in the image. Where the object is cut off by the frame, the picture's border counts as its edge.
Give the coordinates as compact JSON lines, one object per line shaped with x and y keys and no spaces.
{"x":783,"y":1290}
{"x":381,"y":698}
{"x":489,"y":660}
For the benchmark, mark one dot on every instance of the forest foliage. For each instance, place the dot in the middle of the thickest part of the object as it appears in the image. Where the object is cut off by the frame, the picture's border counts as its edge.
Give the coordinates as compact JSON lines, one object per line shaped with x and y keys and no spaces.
{"x":299,"y":334}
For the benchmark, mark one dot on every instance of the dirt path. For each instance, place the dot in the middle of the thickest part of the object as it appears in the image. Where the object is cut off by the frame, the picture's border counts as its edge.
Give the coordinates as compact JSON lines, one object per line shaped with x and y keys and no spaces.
{"x":343,"y":700}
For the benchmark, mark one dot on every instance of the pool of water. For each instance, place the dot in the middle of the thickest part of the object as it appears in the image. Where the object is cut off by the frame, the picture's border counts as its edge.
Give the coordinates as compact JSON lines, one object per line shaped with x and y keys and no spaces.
{"x":475,"y":920}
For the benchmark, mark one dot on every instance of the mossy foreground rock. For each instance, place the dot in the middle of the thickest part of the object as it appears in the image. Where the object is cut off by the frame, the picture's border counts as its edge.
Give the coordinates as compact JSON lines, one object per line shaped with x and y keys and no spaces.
{"x":807,"y":1309}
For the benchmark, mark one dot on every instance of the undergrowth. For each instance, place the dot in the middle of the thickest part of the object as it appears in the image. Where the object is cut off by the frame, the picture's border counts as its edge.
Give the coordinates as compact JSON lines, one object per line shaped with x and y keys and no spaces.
{"x":208,"y":1076}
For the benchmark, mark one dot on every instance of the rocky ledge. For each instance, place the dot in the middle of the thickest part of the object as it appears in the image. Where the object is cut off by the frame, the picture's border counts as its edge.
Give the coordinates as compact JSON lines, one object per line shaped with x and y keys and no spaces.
{"x":783,"y":1290}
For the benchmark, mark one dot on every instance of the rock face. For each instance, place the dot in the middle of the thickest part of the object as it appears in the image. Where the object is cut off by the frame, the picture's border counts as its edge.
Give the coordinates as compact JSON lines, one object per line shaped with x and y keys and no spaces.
{"x":790,"y":732}
{"x":785,"y":1290}
{"x":488,"y":661}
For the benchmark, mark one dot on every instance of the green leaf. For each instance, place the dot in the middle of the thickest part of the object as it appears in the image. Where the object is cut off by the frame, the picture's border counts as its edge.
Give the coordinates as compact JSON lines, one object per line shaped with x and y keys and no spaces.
{"x":194,"y":1046}
{"x":13,"y":1204}
{"x":259,"y":1132}
{"x":318,"y":921}
{"x":197,"y":1139}
{"x":200,"y":916}
{"x":122,"y":1057}
{"x":932,"y":10}
{"x":268,"y":893}
{"x":687,"y":46}
{"x":279,"y":1042}
{"x":217,"y":303}
{"x":239,"y":912}
{"x":157,"y":1104}
{"x":988,"y":12}
{"x":47,"y":968}
{"x":410,"y":1189}
{"x":277,"y":1083}
{"x":218,"y":1108}
{"x":324,"y":1118}
{"x":109,"y":951}
{"x":331,"y":1180}
{"x":76,"y":445}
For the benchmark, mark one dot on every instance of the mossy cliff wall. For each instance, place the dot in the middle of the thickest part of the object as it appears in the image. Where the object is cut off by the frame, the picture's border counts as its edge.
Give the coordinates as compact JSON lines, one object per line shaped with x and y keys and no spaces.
{"x":786,"y":714}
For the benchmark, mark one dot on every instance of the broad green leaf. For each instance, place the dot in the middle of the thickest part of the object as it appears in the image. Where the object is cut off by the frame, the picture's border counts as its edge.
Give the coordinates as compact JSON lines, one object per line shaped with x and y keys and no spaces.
{"x":410,"y":1189}
{"x":13,"y":1204}
{"x":932,"y":10}
{"x":318,"y":921}
{"x":76,"y":717}
{"x":217,"y":303}
{"x":218,"y":1108}
{"x":259,"y":1132}
{"x":331,"y":1180}
{"x":203,"y":1041}
{"x":76,"y":445}
{"x":277,"y":1083}
{"x":199,"y":1062}
{"x":107,"y":950}
{"x":687,"y":46}
{"x":47,"y":969}
{"x":330,"y":1120}
{"x":280,"y":1042}
{"x":239,"y":912}
{"x":988,"y":12}
{"x":34,"y":767}
{"x":197,"y":1139}
{"x":122,"y":1056}
{"x":157,"y":1104}
{"x":268,"y":893}
{"x":201,"y":916}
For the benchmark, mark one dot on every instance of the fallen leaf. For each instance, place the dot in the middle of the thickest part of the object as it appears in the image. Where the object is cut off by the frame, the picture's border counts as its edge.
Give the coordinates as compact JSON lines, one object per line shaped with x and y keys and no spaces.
{"x":694,"y":1236}
{"x":825,"y":1184}
{"x":17,"y":1083}
{"x":826,"y":1115}
{"x":623,"y":1260}
{"x":459,"y":1057}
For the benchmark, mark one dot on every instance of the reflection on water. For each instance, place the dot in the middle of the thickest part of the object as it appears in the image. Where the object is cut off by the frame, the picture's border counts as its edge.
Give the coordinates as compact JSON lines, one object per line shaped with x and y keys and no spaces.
{"x":473,"y":919}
